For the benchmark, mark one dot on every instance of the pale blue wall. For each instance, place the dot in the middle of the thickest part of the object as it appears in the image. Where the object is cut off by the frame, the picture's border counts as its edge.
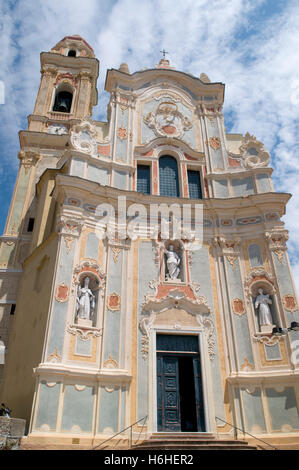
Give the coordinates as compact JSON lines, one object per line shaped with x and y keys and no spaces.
{"x":78,"y":408}
{"x":109,"y":406}
{"x":147,"y":271}
{"x":48,"y":405}
{"x":242,"y":186}
{"x":78,"y":167}
{"x":253,"y":409}
{"x":263,"y":183}
{"x":282,"y":407}
{"x":99,"y":175}
{"x":92,"y":246}
{"x":221,"y":188}
{"x":244,"y":348}
{"x":58,"y":321}
{"x":255,"y":255}
{"x":200,"y":272}
{"x":112,"y":318}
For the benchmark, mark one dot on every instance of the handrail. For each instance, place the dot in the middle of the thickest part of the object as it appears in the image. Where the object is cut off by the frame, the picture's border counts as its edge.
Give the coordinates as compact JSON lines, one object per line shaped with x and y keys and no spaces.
{"x":123,"y":430}
{"x":245,"y":432}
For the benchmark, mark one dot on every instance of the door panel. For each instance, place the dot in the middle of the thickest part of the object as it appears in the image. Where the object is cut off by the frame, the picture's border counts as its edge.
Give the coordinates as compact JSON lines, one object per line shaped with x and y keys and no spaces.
{"x":168,"y":393}
{"x":179,"y":384}
{"x":199,"y":395}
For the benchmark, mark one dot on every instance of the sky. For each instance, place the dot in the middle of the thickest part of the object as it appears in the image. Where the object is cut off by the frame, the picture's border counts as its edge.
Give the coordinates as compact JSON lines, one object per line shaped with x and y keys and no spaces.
{"x":250,"y":45}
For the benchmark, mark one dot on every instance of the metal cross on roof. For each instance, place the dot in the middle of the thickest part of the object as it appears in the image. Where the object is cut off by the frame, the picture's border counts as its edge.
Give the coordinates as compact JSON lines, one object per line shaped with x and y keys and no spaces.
{"x":164,"y":52}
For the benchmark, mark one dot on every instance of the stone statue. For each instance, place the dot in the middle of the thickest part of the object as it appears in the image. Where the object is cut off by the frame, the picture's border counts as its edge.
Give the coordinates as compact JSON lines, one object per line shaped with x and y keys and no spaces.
{"x":85,"y":301}
{"x":173,"y":262}
{"x":262,"y":303}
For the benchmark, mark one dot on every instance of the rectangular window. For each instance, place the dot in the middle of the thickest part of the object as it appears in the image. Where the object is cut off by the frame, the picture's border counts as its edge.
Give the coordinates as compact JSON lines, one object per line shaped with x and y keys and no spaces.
{"x":194,"y":183}
{"x":144,"y":179}
{"x":12,"y":309}
{"x":30,"y":225}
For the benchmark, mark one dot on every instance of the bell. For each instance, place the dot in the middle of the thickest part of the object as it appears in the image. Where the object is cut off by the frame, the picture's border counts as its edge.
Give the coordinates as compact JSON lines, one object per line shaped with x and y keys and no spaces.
{"x":63,"y":102}
{"x":63,"y":106}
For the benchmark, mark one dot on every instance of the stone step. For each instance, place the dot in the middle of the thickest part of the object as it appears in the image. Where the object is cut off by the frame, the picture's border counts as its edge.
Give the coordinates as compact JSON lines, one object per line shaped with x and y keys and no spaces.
{"x":178,"y":441}
{"x":195,"y":447}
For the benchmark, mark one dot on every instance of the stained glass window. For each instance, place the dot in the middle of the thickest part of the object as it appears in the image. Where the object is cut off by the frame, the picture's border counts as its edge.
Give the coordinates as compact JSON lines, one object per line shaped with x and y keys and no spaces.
{"x":168,"y":175}
{"x":194,"y":184}
{"x":144,"y":179}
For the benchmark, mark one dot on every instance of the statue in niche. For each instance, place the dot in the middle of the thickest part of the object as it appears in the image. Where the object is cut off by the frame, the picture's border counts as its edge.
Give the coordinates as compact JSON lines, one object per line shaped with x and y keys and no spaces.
{"x":85,"y":301}
{"x":173,"y":262}
{"x":262,"y":303}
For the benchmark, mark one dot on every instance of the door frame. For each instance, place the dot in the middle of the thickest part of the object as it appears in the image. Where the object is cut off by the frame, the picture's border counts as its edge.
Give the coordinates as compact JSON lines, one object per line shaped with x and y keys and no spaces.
{"x":207,"y":389}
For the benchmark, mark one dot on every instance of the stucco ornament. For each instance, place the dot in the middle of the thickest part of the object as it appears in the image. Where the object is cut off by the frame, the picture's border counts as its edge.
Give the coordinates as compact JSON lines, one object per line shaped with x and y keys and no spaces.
{"x":167,"y":120}
{"x":85,"y":301}
{"x":253,"y":152}
{"x":57,"y":130}
{"x":177,"y":299}
{"x":173,"y":262}
{"x":262,"y":303}
{"x":83,"y":138}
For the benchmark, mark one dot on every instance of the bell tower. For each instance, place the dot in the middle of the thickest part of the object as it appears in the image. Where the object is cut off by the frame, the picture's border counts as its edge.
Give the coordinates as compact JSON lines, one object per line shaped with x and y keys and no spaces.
{"x":68,"y":85}
{"x":67,"y":93}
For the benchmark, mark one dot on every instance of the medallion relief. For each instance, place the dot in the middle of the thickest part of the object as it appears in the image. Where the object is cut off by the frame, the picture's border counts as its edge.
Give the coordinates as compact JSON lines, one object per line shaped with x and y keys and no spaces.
{"x":167,"y":120}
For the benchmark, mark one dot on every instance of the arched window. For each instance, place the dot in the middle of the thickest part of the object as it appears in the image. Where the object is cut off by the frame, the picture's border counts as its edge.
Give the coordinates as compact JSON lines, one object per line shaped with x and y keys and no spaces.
{"x":63,"y":101}
{"x":168,"y":176}
{"x":72,"y":53}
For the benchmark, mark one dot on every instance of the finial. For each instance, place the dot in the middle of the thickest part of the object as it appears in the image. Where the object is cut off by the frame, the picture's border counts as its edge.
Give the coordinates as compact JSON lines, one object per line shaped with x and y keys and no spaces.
{"x":164,"y":53}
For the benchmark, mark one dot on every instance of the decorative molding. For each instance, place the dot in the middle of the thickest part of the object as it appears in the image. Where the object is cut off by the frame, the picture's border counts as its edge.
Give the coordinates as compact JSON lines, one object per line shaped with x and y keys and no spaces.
{"x":258,"y":277}
{"x":62,"y":293}
{"x":266,"y":340}
{"x":90,"y":267}
{"x":176,"y":299}
{"x":54,"y":357}
{"x":84,"y":333}
{"x":113,"y":302}
{"x":290,"y":303}
{"x":246,"y":366}
{"x":238,"y":306}
{"x":167,"y":120}
{"x":277,"y":242}
{"x":253,"y":152}
{"x":214,"y":143}
{"x":83,"y":138}
{"x":111,"y":363}
{"x":80,"y":388}
{"x":122,"y":133}
{"x":230,"y":248}
{"x":69,"y":227}
{"x":116,"y":252}
{"x":28,"y":159}
{"x":66,"y":77}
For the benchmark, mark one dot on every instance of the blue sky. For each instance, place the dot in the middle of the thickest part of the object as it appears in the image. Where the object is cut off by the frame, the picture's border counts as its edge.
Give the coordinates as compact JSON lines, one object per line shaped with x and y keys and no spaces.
{"x":251,"y":46}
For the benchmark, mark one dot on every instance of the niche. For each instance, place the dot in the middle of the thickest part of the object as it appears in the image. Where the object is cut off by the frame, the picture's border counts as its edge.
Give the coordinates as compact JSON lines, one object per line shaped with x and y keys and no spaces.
{"x":173,"y":269}
{"x":87,"y":300}
{"x":265,"y":306}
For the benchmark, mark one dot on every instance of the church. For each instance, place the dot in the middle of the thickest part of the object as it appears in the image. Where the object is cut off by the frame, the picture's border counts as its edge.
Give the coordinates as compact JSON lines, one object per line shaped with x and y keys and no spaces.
{"x":145,"y":278}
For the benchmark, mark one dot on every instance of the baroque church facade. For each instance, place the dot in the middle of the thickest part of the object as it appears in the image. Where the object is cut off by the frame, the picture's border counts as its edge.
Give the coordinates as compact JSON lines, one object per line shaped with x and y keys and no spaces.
{"x":106,"y":321}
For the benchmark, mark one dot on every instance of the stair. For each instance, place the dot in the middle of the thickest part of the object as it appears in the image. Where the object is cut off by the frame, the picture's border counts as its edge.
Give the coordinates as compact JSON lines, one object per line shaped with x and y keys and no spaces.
{"x":190,"y":441}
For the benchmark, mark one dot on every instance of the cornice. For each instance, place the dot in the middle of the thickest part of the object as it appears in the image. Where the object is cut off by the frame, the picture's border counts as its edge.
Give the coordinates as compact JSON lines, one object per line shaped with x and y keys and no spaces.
{"x":282,"y":376}
{"x":42,"y":140}
{"x":95,"y":190}
{"x":137,"y":79}
{"x":111,"y":376}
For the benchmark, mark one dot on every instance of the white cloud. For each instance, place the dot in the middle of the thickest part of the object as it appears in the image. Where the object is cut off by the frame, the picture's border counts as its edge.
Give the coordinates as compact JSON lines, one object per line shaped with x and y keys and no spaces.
{"x":253,"y":53}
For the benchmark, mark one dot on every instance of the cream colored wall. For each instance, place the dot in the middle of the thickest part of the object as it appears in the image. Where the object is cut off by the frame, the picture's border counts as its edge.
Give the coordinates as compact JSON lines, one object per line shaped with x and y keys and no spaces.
{"x":28,"y":330}
{"x":45,"y":209}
